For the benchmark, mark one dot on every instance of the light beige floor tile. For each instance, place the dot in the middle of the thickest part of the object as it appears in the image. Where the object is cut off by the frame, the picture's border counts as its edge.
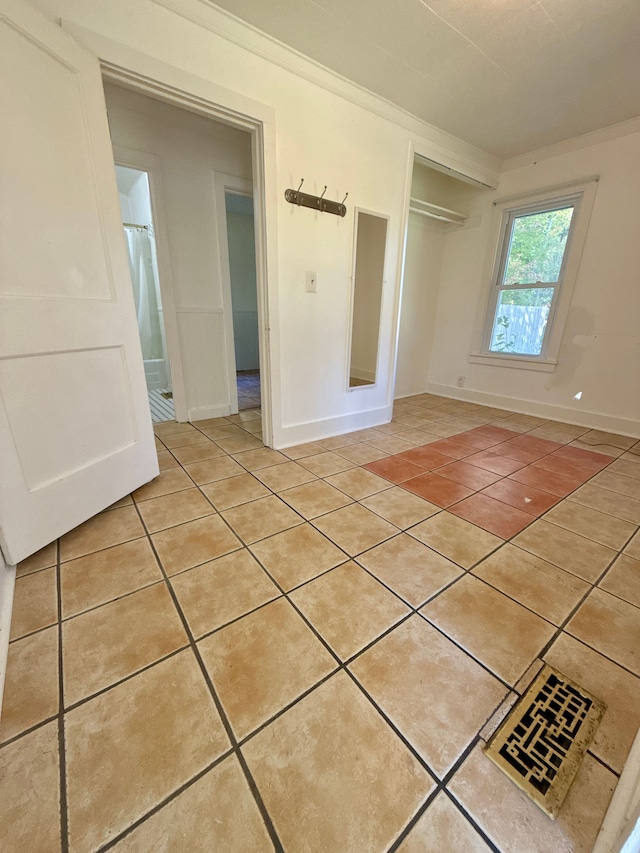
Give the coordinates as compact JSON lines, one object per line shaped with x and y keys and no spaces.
{"x":358,"y":483}
{"x":390,"y":444}
{"x":152,"y":733}
{"x":31,"y":689}
{"x":604,"y":442}
{"x":623,"y":579}
{"x":167,"y":460}
{"x":299,"y":451}
{"x":414,"y":668}
{"x":456,"y":539}
{"x":443,"y":828}
{"x":261,"y":518}
{"x":194,"y":543}
{"x":35,"y":603}
{"x":500,"y":633}
{"x":412,"y":570}
{"x":617,"y":483}
{"x":243,"y":417}
{"x":125,"y":501}
{"x":284,"y":476}
{"x":97,"y":578}
{"x":111,"y":642}
{"x":326,"y":463}
{"x":30,"y":793}
{"x":234,"y":491}
{"x":314,"y":499}
{"x":171,"y":480}
{"x":608,"y":502}
{"x":360,"y":453}
{"x":610,"y":626}
{"x":563,"y":548}
{"x":564,"y":433}
{"x":515,"y":824}
{"x":337,"y":441}
{"x":224,"y":431}
{"x":253,"y":460}
{"x":632,"y":549}
{"x":240,"y":443}
{"x":217,"y":812}
{"x":184,"y":439}
{"x":619,"y":689}
{"x":332,"y":774}
{"x":172,"y":428}
{"x":587,"y":522}
{"x":42,"y":559}
{"x":297,"y":555}
{"x":355,"y":528}
{"x":262,"y":663}
{"x":400,"y":507}
{"x":348,"y":608}
{"x":627,"y":465}
{"x":222,"y":590}
{"x":213,"y":469}
{"x":169,"y":510}
{"x":547,"y":590}
{"x":101,"y":531}
{"x":158,"y":444}
{"x":197,"y":453}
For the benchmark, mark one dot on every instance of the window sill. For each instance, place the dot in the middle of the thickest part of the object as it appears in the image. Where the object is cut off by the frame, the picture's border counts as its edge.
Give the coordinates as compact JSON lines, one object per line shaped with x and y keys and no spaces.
{"x":521,"y":362}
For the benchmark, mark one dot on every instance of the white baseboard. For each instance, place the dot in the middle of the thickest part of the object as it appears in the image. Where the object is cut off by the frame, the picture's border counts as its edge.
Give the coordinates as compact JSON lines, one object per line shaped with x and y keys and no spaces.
{"x":593,"y":420}
{"x":7,"y":586}
{"x":620,"y":831}
{"x":364,"y":375}
{"x":203,"y":413}
{"x":293,"y":434}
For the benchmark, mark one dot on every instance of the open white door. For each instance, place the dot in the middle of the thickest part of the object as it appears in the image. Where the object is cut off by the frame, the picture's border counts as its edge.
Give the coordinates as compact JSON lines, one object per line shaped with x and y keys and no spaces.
{"x":75,"y":428}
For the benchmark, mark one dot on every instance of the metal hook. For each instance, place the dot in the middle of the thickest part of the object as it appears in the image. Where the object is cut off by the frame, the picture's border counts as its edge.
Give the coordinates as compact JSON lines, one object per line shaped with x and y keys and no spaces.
{"x":301,"y":183}
{"x":324,"y":191}
{"x":344,"y":199}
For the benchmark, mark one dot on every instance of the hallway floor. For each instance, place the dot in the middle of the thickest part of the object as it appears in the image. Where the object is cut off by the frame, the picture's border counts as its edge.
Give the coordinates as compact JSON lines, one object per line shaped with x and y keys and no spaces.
{"x":306,"y":650}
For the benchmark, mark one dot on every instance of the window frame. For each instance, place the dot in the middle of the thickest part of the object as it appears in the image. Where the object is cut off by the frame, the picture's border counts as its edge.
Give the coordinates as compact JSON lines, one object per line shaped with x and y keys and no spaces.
{"x":579,"y":195}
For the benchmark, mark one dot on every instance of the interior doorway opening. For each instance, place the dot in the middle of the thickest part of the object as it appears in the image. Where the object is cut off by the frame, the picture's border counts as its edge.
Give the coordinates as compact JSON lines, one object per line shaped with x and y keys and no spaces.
{"x":137,"y":218}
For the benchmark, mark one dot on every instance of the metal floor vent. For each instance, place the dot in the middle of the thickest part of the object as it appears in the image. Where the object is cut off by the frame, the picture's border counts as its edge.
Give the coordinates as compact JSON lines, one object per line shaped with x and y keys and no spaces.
{"x":541,"y":743}
{"x":168,"y":395}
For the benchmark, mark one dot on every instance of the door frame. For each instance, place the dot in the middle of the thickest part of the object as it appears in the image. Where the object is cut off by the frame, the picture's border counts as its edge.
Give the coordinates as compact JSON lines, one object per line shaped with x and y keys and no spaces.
{"x":145,"y":75}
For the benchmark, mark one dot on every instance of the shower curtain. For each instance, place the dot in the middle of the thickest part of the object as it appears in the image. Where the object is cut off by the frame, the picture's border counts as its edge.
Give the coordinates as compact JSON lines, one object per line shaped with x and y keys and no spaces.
{"x":145,"y":292}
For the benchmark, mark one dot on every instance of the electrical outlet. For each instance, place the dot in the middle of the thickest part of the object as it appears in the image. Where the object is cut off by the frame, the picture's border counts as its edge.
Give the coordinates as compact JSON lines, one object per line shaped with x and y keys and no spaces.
{"x":461,"y":381}
{"x":312,"y":282}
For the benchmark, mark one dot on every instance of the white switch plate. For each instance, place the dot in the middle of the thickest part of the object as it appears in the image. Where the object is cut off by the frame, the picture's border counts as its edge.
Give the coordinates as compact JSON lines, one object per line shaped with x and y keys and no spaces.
{"x":312,"y":282}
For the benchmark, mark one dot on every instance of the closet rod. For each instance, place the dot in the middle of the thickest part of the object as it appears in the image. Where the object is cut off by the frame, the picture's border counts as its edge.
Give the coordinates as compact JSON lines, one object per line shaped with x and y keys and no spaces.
{"x":435,"y":216}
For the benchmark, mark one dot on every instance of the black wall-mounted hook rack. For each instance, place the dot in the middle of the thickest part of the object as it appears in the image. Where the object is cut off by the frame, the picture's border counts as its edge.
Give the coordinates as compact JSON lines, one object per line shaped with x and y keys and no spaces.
{"x":316,"y":202}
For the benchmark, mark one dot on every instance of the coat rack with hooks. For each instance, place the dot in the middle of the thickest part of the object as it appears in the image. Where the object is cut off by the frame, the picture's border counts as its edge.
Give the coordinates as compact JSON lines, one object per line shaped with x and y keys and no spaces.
{"x":316,"y":202}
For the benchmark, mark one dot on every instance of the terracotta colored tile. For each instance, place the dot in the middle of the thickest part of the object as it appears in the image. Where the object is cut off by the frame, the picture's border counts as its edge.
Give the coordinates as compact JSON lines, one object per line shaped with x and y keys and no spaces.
{"x":611,"y":503}
{"x":299,"y":451}
{"x":193,"y":543}
{"x":102,"y":531}
{"x":440,"y":828}
{"x":498,"y":632}
{"x":496,"y":517}
{"x":358,"y":483}
{"x":516,"y":452}
{"x":325,"y":464}
{"x":615,"y":686}
{"x":602,"y":528}
{"x":415,"y":666}
{"x":297,"y":555}
{"x":284,"y":476}
{"x":550,"y":592}
{"x":565,"y":549}
{"x":395,"y":469}
{"x":263,"y":662}
{"x":150,"y":738}
{"x":491,"y":461}
{"x":496,"y":433}
{"x":234,"y":491}
{"x":461,"y":445}
{"x":633,"y":548}
{"x":527,"y":498}
{"x":261,"y":518}
{"x":610,"y":626}
{"x":314,"y":499}
{"x":348,"y":608}
{"x":542,"y":446}
{"x":437,"y":490}
{"x":253,"y":460}
{"x":30,"y":793}
{"x":222,"y":590}
{"x":42,"y":559}
{"x":468,"y":475}
{"x":460,"y":541}
{"x":503,"y":811}
{"x":360,"y":453}
{"x":546,"y":481}
{"x":35,"y":603}
{"x":189,"y":822}
{"x":575,"y":468}
{"x":426,"y":457}
{"x":31,"y":690}
{"x":578,"y":454}
{"x":213,"y":469}
{"x":400,"y":507}
{"x":197,"y":453}
{"x":318,"y":768}
{"x":169,"y":510}
{"x":412,"y":570}
{"x":355,"y":528}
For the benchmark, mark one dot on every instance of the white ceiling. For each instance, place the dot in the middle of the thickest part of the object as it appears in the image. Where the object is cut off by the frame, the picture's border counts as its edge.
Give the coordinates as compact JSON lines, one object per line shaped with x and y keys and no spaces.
{"x":506,"y":75}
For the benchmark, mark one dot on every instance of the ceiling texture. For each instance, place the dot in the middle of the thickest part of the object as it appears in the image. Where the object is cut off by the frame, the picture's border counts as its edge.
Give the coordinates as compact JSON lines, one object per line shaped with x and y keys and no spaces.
{"x":509,"y":76}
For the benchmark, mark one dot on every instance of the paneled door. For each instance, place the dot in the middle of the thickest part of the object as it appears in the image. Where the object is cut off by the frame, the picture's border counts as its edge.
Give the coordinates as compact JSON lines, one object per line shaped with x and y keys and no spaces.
{"x":75,"y":428}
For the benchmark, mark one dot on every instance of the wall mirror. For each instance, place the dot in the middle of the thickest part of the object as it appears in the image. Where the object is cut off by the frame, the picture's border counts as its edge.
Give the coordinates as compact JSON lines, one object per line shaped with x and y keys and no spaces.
{"x":370,"y":240}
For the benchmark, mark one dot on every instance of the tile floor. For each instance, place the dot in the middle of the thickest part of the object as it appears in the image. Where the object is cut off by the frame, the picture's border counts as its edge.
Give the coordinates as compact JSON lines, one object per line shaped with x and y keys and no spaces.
{"x":248,"y":382}
{"x":306,"y":650}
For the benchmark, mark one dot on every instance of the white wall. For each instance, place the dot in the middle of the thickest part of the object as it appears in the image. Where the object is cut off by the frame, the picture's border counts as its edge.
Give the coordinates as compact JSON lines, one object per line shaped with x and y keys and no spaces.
{"x":191,"y":150}
{"x":600,"y":351}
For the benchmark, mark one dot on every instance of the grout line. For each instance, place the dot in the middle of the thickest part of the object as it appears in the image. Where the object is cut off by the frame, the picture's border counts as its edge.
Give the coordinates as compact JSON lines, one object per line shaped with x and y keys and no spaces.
{"x":64,"y":807}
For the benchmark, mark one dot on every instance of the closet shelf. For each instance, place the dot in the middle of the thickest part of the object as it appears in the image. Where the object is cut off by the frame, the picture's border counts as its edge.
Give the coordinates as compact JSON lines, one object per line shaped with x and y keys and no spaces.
{"x":434,"y":211}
